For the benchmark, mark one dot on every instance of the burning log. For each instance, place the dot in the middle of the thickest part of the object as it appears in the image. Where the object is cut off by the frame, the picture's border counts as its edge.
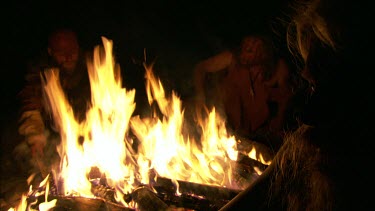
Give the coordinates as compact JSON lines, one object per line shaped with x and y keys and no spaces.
{"x":244,"y":162}
{"x":147,"y":200}
{"x":193,"y":195}
{"x":262,"y":152}
{"x":104,"y":198}
{"x":161,"y":193}
{"x":77,"y":203}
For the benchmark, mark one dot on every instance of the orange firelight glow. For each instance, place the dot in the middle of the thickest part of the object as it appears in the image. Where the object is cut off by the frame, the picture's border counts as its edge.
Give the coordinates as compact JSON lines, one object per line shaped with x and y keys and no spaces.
{"x":107,"y":145}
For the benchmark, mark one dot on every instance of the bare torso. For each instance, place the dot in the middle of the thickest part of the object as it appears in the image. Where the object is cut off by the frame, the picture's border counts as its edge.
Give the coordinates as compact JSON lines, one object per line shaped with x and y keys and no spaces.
{"x":245,"y":98}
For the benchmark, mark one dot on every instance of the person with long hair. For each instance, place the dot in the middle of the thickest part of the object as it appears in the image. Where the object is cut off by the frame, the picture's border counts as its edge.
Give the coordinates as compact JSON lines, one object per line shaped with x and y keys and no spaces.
{"x":323,"y":165}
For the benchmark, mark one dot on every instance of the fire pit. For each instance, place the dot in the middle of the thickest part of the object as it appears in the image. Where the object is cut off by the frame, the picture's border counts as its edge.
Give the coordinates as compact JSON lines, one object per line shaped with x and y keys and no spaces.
{"x":160,"y":193}
{"x":100,"y":169}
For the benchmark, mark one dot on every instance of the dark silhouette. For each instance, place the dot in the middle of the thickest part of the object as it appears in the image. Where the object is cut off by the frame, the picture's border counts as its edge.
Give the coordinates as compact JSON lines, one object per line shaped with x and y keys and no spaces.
{"x":324,"y":164}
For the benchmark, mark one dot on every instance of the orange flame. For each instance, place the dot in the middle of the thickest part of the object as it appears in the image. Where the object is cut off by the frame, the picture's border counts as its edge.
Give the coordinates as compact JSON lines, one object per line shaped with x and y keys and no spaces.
{"x":163,"y":144}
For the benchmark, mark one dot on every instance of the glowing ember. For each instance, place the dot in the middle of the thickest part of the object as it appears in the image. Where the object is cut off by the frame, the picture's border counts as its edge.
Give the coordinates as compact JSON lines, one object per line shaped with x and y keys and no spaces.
{"x":253,"y":154}
{"x":107,"y":148}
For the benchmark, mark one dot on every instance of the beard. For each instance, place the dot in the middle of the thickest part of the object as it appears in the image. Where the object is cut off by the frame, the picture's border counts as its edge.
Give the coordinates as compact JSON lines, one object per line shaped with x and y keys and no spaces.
{"x":68,"y":68}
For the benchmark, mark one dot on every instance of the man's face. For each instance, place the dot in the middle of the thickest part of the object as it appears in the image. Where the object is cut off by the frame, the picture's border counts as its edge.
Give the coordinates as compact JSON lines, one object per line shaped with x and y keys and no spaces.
{"x":251,"y":51}
{"x":64,"y":49}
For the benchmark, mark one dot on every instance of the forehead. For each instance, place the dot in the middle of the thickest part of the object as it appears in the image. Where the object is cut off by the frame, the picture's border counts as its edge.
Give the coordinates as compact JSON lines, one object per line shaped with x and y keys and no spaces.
{"x":63,"y":40}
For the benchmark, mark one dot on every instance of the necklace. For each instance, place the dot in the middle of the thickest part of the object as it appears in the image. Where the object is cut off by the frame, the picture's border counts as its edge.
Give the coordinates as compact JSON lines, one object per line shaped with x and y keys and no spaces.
{"x":252,"y":82}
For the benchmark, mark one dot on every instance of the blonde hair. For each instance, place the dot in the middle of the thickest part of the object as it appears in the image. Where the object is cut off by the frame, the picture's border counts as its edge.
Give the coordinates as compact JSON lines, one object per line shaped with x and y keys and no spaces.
{"x":300,"y":178}
{"x":308,"y":22}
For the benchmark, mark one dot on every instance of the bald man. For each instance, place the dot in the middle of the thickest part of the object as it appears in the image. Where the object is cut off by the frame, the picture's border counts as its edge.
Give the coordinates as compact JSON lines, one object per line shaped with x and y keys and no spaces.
{"x":36,"y":123}
{"x":64,"y":48}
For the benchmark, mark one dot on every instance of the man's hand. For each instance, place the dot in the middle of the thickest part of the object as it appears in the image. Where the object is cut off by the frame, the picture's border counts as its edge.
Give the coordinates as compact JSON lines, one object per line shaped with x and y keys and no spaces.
{"x":32,"y":127}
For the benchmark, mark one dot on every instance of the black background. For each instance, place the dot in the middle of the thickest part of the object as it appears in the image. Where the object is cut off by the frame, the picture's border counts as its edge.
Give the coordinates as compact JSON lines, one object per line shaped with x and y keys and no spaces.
{"x":175,"y":35}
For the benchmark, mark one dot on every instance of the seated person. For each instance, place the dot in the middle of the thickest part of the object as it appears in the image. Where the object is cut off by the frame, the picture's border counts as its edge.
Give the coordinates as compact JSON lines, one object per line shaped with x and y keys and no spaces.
{"x":250,"y":79}
{"x":36,"y":123}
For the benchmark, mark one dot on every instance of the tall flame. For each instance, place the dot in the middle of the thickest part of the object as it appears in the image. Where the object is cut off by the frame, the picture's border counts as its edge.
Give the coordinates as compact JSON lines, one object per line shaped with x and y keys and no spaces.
{"x":103,"y":131}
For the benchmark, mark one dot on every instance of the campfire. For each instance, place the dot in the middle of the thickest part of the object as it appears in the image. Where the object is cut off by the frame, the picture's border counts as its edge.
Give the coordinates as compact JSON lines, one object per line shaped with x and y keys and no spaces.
{"x":167,"y":169}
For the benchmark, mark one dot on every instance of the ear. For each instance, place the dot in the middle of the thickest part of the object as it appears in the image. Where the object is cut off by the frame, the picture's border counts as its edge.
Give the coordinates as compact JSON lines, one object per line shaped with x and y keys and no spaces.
{"x":49,"y":51}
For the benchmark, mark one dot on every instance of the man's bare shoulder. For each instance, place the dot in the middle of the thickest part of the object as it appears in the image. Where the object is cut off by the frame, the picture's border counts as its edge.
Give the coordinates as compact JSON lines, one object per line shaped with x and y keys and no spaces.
{"x":216,"y":62}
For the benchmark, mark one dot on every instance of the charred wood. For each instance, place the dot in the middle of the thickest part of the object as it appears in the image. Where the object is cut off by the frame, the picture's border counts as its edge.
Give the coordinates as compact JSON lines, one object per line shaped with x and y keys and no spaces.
{"x":194,"y":196}
{"x":65,"y":203}
{"x":147,"y":200}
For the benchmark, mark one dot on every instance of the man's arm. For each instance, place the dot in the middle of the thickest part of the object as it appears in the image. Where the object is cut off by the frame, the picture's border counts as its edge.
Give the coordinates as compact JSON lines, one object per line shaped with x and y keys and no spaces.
{"x":213,"y":64}
{"x":31,"y":123}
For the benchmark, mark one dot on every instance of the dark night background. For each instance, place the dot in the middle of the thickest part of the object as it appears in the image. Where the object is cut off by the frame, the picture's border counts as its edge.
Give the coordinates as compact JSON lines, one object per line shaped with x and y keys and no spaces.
{"x":175,"y":34}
